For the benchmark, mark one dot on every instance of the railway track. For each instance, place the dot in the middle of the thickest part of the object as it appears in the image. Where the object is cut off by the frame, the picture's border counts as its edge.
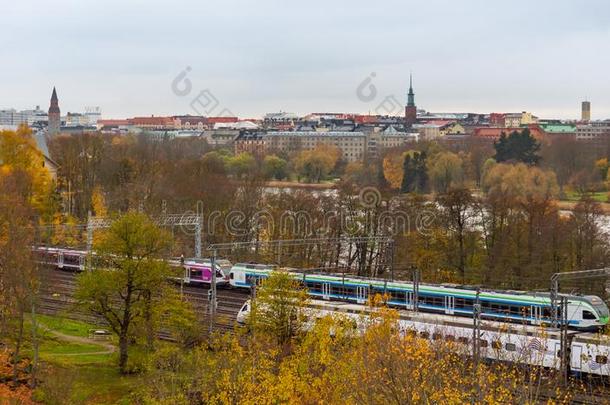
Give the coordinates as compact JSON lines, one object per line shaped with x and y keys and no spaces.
{"x":57,"y":298}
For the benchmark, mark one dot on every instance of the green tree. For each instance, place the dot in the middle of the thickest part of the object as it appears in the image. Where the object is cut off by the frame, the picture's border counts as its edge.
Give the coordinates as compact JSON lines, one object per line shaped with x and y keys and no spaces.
{"x":317,"y":163}
{"x":517,"y":147}
{"x":129,"y":291}
{"x":445,"y":171}
{"x":277,"y":310}
{"x":275,"y":167}
{"x":241,"y":164}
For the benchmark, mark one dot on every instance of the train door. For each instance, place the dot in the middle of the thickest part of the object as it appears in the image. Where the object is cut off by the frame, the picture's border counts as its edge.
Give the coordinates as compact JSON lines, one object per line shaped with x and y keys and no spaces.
{"x":576,"y":357}
{"x":187,"y":274}
{"x":558,"y":355}
{"x":536,"y":312}
{"x":361,"y":294}
{"x":81,"y":262}
{"x":60,"y":260}
{"x":326,"y":291}
{"x":449,"y":304}
{"x":409,"y":300}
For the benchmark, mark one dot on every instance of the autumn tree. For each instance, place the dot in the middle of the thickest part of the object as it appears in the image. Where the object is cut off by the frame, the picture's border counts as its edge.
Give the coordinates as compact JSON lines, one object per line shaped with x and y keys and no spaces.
{"x":274,"y":167}
{"x":18,"y":152}
{"x":518,"y":209}
{"x":241,"y":164}
{"x":361,"y":173}
{"x":130,"y":290}
{"x":589,"y":240}
{"x":19,"y":278}
{"x":277,"y":309}
{"x":445,"y":171}
{"x":458,"y":215}
{"x":314,"y":165}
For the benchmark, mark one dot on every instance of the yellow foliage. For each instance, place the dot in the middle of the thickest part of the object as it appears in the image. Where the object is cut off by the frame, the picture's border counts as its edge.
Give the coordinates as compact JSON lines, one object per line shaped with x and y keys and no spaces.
{"x":315,"y":164}
{"x":19,"y":153}
{"x":98,"y":202}
{"x":393,"y":169}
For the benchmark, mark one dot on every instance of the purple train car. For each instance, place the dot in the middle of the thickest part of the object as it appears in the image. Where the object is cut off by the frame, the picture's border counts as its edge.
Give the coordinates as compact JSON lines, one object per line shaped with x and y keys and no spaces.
{"x":199,"y":271}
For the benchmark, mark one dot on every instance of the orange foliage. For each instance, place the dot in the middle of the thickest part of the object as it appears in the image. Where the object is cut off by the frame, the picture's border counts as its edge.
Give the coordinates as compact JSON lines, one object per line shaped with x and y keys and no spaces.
{"x":9,"y":394}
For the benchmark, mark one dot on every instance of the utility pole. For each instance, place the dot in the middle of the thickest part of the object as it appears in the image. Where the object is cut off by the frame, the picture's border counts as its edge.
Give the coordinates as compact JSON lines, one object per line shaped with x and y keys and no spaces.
{"x":415,"y":276}
{"x":476,"y":341}
{"x":212,"y":300}
{"x":571,"y":275}
{"x":392,"y":250}
{"x":564,"y":340}
{"x":476,"y":329}
{"x":89,"y":240}
{"x":198,"y":226}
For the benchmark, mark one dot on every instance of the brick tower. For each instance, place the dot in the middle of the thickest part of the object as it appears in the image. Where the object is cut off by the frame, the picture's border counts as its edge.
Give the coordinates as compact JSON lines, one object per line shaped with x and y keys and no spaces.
{"x":54,"y":115}
{"x":410,"y":108}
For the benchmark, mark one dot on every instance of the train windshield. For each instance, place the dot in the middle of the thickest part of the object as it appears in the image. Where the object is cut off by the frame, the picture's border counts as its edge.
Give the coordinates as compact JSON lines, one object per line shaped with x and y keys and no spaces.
{"x":600,"y":307}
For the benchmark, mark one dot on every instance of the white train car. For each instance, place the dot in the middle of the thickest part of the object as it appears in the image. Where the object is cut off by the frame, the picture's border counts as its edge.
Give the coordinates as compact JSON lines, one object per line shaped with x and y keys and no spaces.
{"x":590,"y":354}
{"x":498,"y":341}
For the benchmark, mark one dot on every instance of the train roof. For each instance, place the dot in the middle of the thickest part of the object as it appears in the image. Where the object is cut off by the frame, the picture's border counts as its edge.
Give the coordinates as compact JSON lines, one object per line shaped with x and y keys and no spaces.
{"x":443,"y":320}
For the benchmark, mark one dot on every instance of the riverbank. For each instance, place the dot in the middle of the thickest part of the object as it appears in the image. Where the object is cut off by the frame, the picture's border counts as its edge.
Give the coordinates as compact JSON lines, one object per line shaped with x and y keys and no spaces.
{"x":295,"y":185}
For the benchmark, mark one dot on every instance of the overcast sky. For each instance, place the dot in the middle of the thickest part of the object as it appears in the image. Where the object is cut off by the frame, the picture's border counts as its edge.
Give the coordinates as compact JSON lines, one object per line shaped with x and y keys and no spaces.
{"x":261,"y":56}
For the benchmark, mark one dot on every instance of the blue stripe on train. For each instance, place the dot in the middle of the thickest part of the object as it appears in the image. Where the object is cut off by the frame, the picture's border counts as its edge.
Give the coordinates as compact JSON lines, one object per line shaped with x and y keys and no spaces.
{"x":425,"y":306}
{"x":426,"y":293}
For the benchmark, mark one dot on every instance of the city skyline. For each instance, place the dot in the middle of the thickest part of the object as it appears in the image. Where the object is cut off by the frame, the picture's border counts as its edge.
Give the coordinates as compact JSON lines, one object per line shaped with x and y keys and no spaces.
{"x":546,"y":58}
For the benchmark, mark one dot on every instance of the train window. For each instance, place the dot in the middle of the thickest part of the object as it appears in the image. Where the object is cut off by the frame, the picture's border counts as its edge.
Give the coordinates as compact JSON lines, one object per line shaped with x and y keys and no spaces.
{"x":196,"y":273}
{"x":483,"y":343}
{"x":599,"y":359}
{"x":496,"y":344}
{"x":231,"y":275}
{"x":463,"y":340}
{"x":546,"y":312}
{"x":436,"y":336}
{"x":511,"y":347}
{"x":397,"y":295}
{"x":460,"y":303}
{"x":424,"y":335}
{"x":588,"y":315}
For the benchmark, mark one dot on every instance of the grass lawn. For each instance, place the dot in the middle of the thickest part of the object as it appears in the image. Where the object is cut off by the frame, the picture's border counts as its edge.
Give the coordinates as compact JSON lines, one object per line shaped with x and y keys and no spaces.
{"x":66,"y":326}
{"x":601,"y":196}
{"x":79,"y":371}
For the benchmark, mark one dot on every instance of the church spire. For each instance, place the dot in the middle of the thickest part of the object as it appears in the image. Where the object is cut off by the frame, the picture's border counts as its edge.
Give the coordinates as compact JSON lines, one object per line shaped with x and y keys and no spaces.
{"x":54,"y":115}
{"x":411,"y":95}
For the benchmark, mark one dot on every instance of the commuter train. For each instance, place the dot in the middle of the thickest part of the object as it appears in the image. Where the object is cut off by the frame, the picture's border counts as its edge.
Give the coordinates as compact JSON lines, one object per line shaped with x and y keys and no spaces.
{"x":584,"y":312}
{"x":527,"y":344}
{"x":199,"y":271}
{"x":196,"y":271}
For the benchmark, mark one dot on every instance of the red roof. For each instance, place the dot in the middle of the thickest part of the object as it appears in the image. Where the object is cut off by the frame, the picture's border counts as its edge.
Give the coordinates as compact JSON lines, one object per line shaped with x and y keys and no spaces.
{"x":493,"y":132}
{"x":214,"y":120}
{"x":111,"y":123}
{"x":151,"y":121}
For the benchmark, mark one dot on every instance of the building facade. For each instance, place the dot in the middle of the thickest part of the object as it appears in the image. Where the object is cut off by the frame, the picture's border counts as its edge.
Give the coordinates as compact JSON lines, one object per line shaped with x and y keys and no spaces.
{"x":585,"y":112}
